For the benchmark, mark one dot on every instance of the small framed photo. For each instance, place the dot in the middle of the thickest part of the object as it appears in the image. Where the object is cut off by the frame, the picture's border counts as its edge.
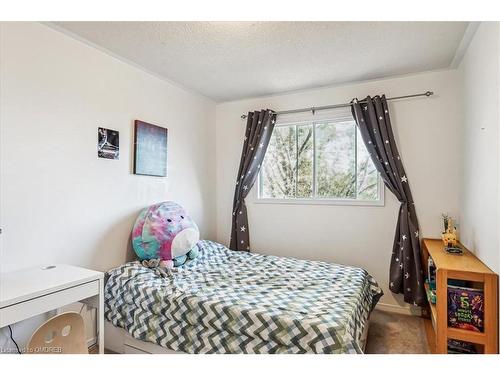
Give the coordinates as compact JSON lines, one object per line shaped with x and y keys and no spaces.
{"x":108,"y":143}
{"x":150,"y":149}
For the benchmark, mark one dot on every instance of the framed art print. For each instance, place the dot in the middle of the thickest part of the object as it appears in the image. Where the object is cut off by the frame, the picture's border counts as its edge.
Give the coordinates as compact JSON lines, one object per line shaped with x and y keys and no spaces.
{"x":108,"y":143}
{"x":150,"y":149}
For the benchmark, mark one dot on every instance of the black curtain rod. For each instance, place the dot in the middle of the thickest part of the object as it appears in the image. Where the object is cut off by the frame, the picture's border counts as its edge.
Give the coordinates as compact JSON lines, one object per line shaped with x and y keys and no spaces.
{"x":314,"y":109}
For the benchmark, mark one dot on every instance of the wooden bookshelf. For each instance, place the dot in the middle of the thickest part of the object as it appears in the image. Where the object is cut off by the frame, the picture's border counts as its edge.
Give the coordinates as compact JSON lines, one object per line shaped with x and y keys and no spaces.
{"x":460,"y":267}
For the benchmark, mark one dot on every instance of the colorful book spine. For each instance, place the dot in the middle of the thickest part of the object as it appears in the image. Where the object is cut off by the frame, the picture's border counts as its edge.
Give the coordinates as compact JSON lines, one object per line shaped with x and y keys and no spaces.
{"x":466,"y":308}
{"x":460,"y":347}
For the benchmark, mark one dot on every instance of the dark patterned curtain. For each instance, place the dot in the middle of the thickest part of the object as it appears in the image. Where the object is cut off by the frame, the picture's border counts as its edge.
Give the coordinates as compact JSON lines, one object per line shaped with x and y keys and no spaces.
{"x":260,"y":125}
{"x":406,"y":274}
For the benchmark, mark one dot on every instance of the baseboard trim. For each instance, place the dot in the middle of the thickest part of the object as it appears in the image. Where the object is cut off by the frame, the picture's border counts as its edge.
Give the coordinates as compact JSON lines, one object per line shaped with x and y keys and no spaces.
{"x":396,"y":309}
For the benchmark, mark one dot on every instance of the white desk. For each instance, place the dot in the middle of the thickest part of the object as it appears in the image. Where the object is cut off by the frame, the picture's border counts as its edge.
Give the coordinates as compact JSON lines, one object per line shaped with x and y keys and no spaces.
{"x":29,"y":292}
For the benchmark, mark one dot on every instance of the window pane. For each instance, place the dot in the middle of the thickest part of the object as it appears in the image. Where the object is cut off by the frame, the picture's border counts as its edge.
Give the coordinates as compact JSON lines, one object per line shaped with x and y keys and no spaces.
{"x":336,"y":160}
{"x":279,"y":167}
{"x":343,"y":167}
{"x":305,"y":161}
{"x":367,"y":176}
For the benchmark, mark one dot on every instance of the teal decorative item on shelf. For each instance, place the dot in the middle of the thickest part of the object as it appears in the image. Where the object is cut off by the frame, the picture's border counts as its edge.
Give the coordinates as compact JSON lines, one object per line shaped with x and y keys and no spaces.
{"x":431,"y":293}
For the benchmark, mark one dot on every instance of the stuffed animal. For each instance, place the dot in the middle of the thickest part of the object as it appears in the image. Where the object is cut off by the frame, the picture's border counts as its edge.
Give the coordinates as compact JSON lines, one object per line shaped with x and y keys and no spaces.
{"x":165,"y":231}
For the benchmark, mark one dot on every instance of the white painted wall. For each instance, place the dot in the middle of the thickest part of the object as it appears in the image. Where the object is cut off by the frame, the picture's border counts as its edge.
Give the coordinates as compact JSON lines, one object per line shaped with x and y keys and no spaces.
{"x":480,"y":141}
{"x":59,"y":202}
{"x":427,"y":135}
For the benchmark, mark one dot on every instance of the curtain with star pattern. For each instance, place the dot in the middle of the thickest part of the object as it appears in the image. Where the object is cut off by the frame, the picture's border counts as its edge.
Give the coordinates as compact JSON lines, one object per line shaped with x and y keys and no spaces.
{"x":260,"y":125}
{"x":406,"y":273}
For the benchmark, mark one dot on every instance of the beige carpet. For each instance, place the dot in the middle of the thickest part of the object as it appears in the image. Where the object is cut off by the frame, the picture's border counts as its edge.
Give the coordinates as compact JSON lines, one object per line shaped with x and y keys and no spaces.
{"x":396,"y":333}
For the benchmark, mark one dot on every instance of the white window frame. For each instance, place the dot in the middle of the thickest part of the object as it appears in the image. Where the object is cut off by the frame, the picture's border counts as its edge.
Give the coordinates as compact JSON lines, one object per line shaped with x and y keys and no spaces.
{"x":338,"y":116}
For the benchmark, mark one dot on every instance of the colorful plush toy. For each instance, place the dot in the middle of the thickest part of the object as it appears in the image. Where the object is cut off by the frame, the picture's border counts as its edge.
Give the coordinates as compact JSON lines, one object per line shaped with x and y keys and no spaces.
{"x":165,"y":231}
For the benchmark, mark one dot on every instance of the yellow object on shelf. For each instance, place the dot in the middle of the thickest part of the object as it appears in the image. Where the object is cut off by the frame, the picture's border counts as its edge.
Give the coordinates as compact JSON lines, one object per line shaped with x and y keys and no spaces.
{"x":449,"y":236}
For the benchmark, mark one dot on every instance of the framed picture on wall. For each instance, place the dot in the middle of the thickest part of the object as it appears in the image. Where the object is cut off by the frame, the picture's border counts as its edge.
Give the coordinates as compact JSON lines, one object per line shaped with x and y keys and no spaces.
{"x":108,"y":143}
{"x":150,"y":149}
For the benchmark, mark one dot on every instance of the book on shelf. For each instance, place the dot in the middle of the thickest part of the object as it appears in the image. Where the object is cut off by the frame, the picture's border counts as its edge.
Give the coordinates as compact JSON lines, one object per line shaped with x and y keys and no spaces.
{"x":461,"y":347}
{"x":466,"y":308}
{"x":431,"y":274}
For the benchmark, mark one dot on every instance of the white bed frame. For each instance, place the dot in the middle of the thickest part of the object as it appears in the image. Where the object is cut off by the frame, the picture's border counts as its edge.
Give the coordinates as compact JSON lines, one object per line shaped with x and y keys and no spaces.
{"x":120,"y":341}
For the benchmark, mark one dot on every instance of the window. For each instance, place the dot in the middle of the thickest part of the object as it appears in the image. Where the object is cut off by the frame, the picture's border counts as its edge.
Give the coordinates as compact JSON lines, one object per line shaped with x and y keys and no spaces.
{"x":322,"y":161}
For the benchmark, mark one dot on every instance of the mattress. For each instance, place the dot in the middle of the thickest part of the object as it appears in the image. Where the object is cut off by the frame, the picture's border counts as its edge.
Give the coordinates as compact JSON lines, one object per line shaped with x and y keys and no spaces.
{"x":236,"y":302}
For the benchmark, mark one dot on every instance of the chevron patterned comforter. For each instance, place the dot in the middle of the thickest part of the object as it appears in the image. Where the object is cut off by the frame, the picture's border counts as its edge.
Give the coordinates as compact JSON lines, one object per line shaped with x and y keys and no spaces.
{"x":236,"y":302}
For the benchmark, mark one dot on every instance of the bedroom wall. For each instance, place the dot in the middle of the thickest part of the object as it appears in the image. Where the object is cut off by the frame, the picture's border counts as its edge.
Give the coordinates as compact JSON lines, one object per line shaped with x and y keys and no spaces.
{"x":480,"y":142}
{"x":427,"y":134}
{"x":59,"y":202}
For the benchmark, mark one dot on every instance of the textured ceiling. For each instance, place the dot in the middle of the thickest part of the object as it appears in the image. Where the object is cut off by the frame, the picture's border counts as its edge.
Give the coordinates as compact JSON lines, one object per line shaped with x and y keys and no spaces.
{"x":232,"y":60}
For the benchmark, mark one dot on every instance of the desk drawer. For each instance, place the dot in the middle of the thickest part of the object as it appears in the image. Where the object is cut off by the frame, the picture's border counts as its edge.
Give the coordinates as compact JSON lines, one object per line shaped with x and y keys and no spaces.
{"x":27,"y":309}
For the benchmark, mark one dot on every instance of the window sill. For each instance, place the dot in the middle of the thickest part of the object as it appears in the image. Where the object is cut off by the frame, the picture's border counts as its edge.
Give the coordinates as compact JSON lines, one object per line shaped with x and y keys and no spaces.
{"x":324,"y":202}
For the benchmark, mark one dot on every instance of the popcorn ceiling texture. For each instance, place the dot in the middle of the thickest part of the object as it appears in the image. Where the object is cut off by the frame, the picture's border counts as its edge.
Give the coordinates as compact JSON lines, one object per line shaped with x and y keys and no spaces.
{"x":233,"y":60}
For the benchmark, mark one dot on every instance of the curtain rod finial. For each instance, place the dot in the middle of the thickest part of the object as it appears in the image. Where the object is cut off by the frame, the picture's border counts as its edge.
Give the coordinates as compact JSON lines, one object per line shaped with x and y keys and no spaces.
{"x":429,"y":93}
{"x":243,"y":116}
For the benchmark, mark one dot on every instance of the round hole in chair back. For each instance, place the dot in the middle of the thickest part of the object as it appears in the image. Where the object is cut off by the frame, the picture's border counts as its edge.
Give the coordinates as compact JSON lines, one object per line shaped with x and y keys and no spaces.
{"x":66,"y":330}
{"x":49,"y":337}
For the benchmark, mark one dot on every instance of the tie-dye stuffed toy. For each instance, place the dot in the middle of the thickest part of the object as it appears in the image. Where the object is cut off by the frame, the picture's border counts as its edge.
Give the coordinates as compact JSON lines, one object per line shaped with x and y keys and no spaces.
{"x":165,"y":231}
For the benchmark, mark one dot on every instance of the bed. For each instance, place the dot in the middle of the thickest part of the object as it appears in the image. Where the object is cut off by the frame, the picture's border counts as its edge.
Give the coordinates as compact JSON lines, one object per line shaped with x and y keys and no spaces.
{"x":236,"y":302}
